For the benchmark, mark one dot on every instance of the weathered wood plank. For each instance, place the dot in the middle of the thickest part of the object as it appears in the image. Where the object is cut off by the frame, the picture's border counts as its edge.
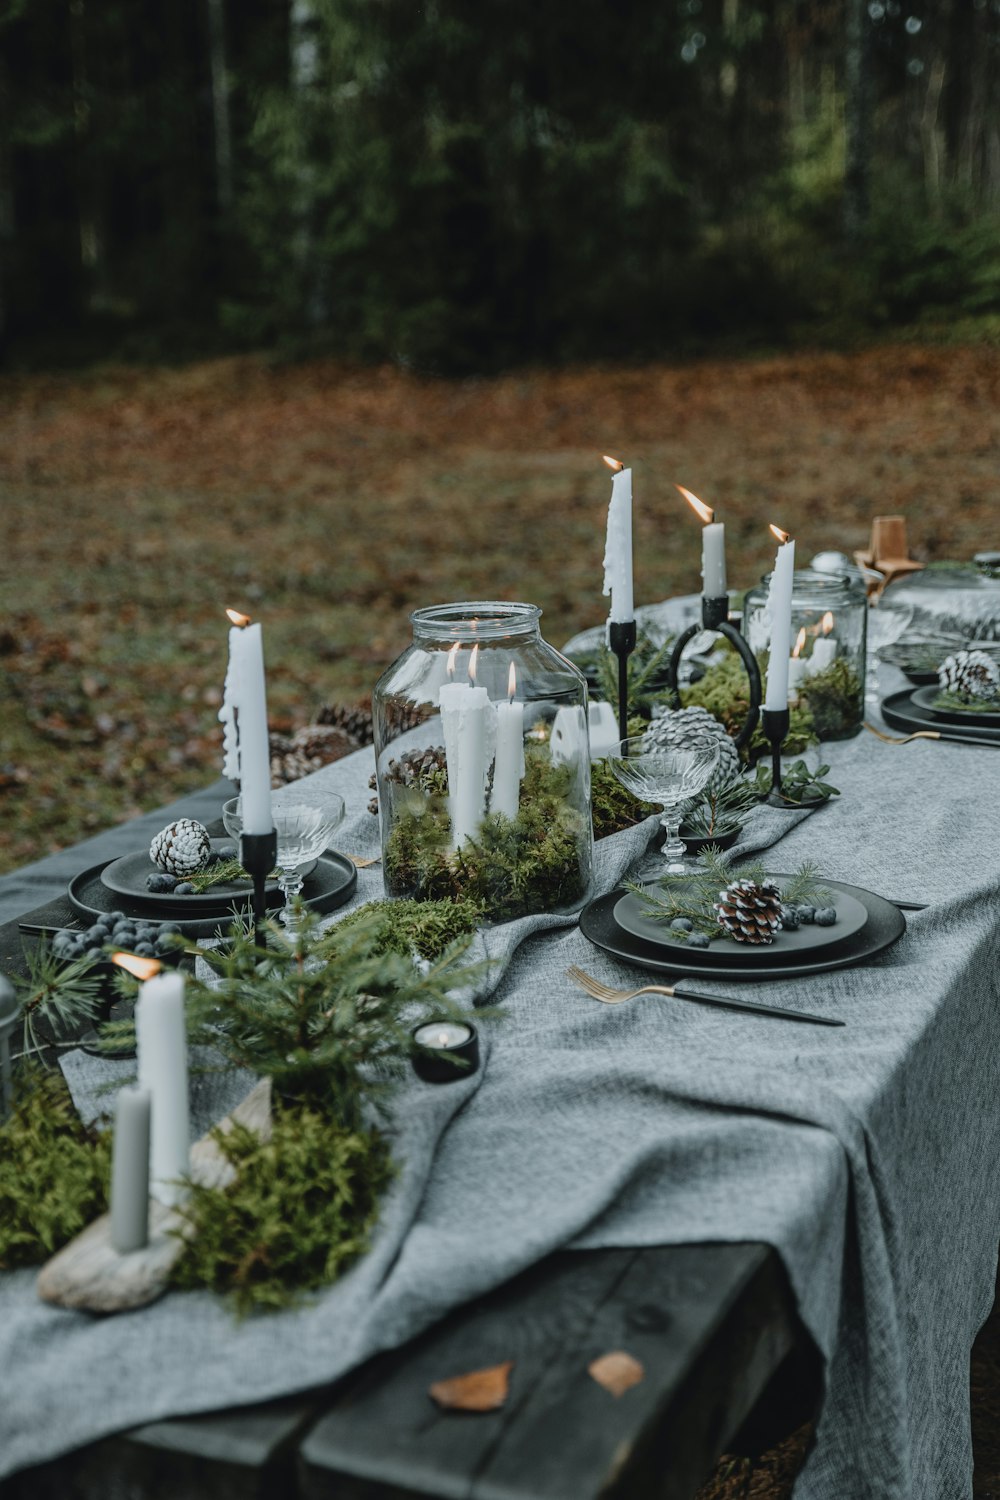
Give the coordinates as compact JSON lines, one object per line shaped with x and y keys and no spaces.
{"x":90,"y":1275}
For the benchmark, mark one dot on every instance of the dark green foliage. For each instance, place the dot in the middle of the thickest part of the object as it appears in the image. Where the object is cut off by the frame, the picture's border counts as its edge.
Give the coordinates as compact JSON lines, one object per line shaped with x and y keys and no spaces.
{"x":722,"y":811}
{"x":693,"y":895}
{"x":724,"y":691}
{"x":958,"y":702}
{"x":56,"y":997}
{"x":612,"y":806}
{"x":427,"y":928}
{"x":800,"y":787}
{"x":222,"y":873}
{"x":647,"y":674}
{"x":536,"y":861}
{"x":54,"y":1174}
{"x":835,"y":699}
{"x":300,"y":1211}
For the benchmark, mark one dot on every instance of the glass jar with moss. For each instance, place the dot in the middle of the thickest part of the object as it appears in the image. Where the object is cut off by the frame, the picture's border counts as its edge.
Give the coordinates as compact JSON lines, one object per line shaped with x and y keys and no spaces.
{"x":827,"y":668}
{"x":483,"y":764}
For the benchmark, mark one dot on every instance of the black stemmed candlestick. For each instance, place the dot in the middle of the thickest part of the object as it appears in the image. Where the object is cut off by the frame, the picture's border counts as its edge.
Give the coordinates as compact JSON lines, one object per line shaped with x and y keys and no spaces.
{"x":621,"y":639}
{"x":715,"y":616}
{"x":258,"y":856}
{"x":775,"y":723}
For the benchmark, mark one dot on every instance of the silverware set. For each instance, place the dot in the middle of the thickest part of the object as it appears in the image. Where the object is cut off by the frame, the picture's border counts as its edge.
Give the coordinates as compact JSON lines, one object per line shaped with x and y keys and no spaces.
{"x":608,"y":996}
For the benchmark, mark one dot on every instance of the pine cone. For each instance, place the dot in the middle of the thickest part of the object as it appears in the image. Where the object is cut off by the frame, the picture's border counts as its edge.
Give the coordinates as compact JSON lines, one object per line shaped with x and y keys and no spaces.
{"x":181,"y":847}
{"x":750,"y":911}
{"x":972,"y":674}
{"x":426,"y":769}
{"x":308,"y":749}
{"x":355,"y":719}
{"x":696,"y":728}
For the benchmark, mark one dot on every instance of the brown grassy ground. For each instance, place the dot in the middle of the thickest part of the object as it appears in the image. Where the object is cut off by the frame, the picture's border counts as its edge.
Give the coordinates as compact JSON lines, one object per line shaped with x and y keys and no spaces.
{"x":329,"y":502}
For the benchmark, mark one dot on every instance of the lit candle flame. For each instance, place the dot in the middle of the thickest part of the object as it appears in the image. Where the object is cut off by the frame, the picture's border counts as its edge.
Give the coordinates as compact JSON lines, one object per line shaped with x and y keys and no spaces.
{"x":451,"y":659}
{"x":237,"y":618}
{"x":511,"y":683}
{"x":827,"y":622}
{"x":473,"y":659}
{"x":783,"y":536}
{"x":442,"y":1039}
{"x":142,"y":968}
{"x":705,"y":512}
{"x":800,"y":641}
{"x":615,"y":464}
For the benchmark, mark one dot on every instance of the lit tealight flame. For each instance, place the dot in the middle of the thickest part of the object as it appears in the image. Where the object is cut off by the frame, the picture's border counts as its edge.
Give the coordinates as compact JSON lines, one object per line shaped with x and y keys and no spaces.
{"x":511,"y":683}
{"x":800,"y":641}
{"x":783,"y":536}
{"x":452,"y":654}
{"x":827,"y":622}
{"x":614,"y":464}
{"x":142,"y":968}
{"x":473,"y":659}
{"x":237,"y":618}
{"x":705,"y":512}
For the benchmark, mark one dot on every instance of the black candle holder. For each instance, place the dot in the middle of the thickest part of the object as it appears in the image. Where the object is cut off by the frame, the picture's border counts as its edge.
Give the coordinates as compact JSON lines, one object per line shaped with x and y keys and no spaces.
{"x":775,"y":723}
{"x":430,"y":1063}
{"x":258,"y":856}
{"x":621,"y":639}
{"x":715,"y":616}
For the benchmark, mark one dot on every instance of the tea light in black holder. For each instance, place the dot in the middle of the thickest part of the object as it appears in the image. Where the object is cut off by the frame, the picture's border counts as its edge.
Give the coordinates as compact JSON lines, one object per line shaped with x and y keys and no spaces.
{"x":715,"y":616}
{"x":445,"y":1051}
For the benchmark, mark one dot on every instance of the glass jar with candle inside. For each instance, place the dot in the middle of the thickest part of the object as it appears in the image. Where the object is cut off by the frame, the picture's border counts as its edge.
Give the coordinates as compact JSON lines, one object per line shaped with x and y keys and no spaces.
{"x":483,"y":765}
{"x":826,"y":669}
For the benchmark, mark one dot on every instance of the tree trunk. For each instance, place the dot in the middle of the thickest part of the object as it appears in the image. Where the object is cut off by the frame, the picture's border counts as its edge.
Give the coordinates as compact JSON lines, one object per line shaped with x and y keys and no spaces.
{"x":90,"y":208}
{"x":222,"y":129}
{"x":304,"y":75}
{"x":857,"y":122}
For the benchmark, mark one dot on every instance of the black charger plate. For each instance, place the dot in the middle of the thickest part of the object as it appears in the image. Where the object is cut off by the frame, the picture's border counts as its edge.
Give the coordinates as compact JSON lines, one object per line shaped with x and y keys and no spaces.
{"x":923,"y":698}
{"x":330,"y":884}
{"x":884,"y":925}
{"x":900,"y":712}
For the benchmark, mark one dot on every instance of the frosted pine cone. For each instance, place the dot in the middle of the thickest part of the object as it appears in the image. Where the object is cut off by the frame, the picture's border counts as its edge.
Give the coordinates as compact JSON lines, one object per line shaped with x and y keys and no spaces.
{"x":181,"y":847}
{"x":695,"y":727}
{"x":972,"y":674}
{"x":750,"y":911}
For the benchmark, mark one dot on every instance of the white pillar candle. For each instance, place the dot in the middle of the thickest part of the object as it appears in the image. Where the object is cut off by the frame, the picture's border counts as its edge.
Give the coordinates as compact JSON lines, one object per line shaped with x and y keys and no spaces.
{"x":230,"y":699}
{"x":825,"y":650}
{"x":508,"y":767}
{"x":798,"y":666}
{"x":779,"y":602}
{"x":255,"y":752}
{"x":466,"y":720}
{"x":130,"y":1171}
{"x":618,"y":546}
{"x":605,"y":735}
{"x":713,"y":547}
{"x":161,"y":1043}
{"x":568,"y":740}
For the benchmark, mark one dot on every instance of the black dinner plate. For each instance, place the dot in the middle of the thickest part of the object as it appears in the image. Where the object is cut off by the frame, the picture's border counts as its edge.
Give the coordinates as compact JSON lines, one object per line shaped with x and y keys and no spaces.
{"x":924,"y":697}
{"x":127,"y":875}
{"x":788,"y":947}
{"x":329,"y":885}
{"x":900,"y":712}
{"x":885,"y":924}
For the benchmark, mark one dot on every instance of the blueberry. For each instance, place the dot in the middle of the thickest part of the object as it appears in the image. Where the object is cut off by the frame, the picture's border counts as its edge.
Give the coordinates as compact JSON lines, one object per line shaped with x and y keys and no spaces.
{"x":96,"y":951}
{"x":62,"y":942}
{"x":789,"y":919}
{"x":164,"y":945}
{"x":115,"y":916}
{"x":160,"y":883}
{"x":95,"y":934}
{"x":826,"y":916}
{"x":166,"y":927}
{"x":143,"y":950}
{"x":185,"y":888}
{"x":698,"y":940}
{"x":806,"y":914}
{"x":681,"y":924}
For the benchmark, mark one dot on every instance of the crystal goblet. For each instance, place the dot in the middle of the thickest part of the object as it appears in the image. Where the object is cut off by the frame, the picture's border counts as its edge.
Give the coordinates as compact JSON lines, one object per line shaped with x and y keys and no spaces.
{"x":668,"y":777}
{"x":305,"y":818}
{"x":886,"y":623}
{"x":232,"y":818}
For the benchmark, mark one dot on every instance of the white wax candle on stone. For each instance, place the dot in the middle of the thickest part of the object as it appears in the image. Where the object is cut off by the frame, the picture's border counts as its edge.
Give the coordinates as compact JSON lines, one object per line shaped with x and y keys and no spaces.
{"x":508,"y":767}
{"x":161,"y":1043}
{"x":779,"y":602}
{"x":618,"y":546}
{"x":255,"y":751}
{"x":130,"y":1171}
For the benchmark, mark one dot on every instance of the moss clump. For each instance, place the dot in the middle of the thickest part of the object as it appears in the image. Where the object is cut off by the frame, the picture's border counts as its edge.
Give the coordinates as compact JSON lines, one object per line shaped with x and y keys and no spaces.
{"x":427,"y":928}
{"x":300,"y":1211}
{"x":536,"y":861}
{"x":725,"y":692}
{"x":612,"y":807}
{"x":54,"y":1173}
{"x":835,"y":700}
{"x":958,"y":703}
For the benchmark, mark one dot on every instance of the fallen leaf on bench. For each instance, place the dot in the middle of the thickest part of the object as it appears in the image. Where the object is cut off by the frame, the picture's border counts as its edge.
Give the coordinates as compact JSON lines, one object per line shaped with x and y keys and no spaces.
{"x":618,"y":1372}
{"x":480,"y":1390}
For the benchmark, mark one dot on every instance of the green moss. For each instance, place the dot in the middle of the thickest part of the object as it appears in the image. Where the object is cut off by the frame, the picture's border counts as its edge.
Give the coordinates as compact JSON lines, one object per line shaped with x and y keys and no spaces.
{"x":612,"y":807}
{"x":835,"y":699}
{"x":536,"y":861}
{"x":300,"y":1211}
{"x":725,"y":692}
{"x":958,"y":703}
{"x":54,"y":1173}
{"x":424,"y":927}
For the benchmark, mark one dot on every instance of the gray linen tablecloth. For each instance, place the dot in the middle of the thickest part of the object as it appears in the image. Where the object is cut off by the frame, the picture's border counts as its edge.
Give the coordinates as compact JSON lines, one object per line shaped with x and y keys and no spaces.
{"x":868,"y":1156}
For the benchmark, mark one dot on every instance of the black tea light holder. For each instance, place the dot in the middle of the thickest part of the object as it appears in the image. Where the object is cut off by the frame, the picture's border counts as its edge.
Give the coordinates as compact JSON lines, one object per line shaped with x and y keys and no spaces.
{"x":445,"y":1063}
{"x":622,"y":639}
{"x":715,"y":616}
{"x":258,"y":856}
{"x":775,"y":723}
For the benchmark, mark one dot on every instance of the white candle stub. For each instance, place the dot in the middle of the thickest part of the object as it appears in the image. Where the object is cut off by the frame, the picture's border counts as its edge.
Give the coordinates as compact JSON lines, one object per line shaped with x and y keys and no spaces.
{"x":508,"y":767}
{"x":443,"y":1034}
{"x":618,"y":546}
{"x":779,"y":602}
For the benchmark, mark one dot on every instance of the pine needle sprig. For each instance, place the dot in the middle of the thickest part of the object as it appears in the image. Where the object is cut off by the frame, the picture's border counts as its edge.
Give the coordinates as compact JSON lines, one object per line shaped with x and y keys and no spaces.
{"x":56,"y":996}
{"x":694,"y":896}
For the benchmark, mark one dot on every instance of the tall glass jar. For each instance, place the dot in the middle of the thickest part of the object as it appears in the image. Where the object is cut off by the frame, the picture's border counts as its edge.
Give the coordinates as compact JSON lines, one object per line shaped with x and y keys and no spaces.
{"x":483,"y":764}
{"x":827,"y":669}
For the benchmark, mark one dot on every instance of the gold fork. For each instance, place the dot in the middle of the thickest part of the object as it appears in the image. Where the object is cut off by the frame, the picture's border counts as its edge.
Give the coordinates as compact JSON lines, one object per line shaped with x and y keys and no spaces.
{"x":609,"y":996}
{"x":893,"y":739}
